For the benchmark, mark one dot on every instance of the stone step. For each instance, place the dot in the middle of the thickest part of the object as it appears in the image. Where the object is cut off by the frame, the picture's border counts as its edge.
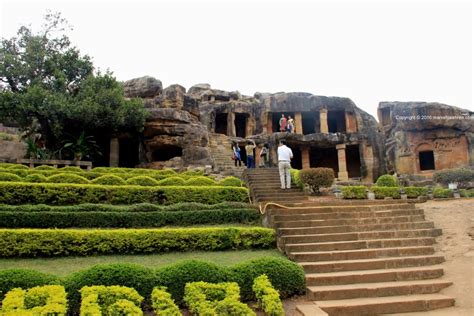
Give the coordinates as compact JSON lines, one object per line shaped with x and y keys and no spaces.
{"x":375,"y":253}
{"x":308,"y":209}
{"x":363,"y":290}
{"x":385,"y":305}
{"x":349,"y":221}
{"x":346,"y":215}
{"x":352,"y":236}
{"x":282,"y":199}
{"x":278,"y":193}
{"x":371,"y":264}
{"x":380,"y":204}
{"x":360,"y":244}
{"x":354,"y":228}
{"x":371,"y":276}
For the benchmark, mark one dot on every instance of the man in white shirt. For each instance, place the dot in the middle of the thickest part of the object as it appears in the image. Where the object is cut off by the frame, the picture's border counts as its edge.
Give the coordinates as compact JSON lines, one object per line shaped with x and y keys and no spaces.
{"x":284,"y":158}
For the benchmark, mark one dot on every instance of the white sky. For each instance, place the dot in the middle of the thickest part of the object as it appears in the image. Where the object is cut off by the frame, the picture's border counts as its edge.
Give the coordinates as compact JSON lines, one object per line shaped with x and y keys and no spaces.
{"x":368,"y":51}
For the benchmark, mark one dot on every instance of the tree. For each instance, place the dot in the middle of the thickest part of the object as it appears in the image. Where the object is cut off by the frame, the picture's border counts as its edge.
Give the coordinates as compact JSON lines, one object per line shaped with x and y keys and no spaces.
{"x":48,"y":87}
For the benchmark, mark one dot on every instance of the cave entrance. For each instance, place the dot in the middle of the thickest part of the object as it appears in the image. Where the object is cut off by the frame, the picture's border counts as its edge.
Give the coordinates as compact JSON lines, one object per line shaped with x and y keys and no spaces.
{"x":276,"y":116}
{"x":221,"y":123}
{"x":241,"y":124}
{"x":385,"y":116}
{"x":337,"y":121}
{"x":297,"y":161}
{"x":167,"y":152}
{"x":325,"y":157}
{"x":310,"y":122}
{"x":427,"y":160}
{"x":243,"y":154}
{"x":128,"y":152}
{"x":353,"y":161}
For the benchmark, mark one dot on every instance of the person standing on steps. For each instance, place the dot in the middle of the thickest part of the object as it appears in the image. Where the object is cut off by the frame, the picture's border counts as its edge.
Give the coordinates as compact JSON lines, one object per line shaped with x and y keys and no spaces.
{"x":249,"y":150}
{"x":264,"y":152}
{"x":282,"y":123}
{"x":284,"y":159}
{"x":236,"y":154}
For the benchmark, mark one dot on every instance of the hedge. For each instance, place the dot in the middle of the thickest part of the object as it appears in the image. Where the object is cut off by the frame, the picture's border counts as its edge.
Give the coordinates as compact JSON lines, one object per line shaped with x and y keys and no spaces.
{"x":461,"y":176}
{"x":414,"y":192}
{"x":163,"y":304}
{"x":23,"y":278}
{"x":383,"y":192}
{"x":68,"y":242}
{"x":354,"y":192}
{"x":267,"y":297}
{"x":126,"y":219}
{"x":359,"y":192}
{"x":40,"y":300}
{"x":110,"y":301}
{"x":67,"y":178}
{"x":295,"y":177}
{"x":441,"y":193}
{"x":387,"y":180}
{"x":231,"y":181}
{"x":317,"y":178}
{"x":109,"y":179}
{"x":7,"y":176}
{"x":64,"y":194}
{"x":467,"y":193}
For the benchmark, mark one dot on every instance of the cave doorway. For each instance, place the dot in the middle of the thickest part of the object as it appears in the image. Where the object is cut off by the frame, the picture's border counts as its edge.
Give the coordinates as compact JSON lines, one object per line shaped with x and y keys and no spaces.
{"x":325,"y":157}
{"x":336,"y":121}
{"x":276,"y":120}
{"x":385,"y":114}
{"x":243,"y":154}
{"x":128,"y":152}
{"x":221,"y":123}
{"x":353,"y":161}
{"x":310,"y":122}
{"x":297,"y":161}
{"x":241,"y":124}
{"x":167,"y":152}
{"x":427,"y":160}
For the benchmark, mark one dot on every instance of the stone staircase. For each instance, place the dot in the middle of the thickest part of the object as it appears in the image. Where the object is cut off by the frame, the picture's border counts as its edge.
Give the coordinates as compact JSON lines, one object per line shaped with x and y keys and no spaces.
{"x":359,"y":257}
{"x":221,"y":151}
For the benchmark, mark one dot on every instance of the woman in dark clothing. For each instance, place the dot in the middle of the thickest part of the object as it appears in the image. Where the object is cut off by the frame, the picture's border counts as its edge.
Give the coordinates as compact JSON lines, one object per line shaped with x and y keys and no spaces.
{"x":236,"y":154}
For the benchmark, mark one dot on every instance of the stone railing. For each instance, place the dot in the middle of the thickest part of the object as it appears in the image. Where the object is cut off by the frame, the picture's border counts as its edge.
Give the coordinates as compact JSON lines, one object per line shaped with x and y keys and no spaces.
{"x":55,"y":163}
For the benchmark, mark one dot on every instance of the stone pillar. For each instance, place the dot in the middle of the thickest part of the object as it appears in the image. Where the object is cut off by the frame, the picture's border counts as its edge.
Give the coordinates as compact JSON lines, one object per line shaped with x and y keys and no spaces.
{"x":298,"y":123}
{"x":114,"y":152}
{"x":351,"y":126}
{"x":323,"y":121}
{"x":231,"y":124}
{"x":341,"y":160}
{"x":269,"y":124}
{"x":305,"y":157}
{"x":249,"y":126}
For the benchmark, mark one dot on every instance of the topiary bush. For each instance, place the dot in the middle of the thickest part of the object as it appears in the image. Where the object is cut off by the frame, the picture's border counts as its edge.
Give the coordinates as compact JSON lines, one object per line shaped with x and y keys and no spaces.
{"x":6,"y":176}
{"x":172,"y":181}
{"x":295,"y":177}
{"x":109,"y":179}
{"x":39,"y":300}
{"x":18,"y":167}
{"x":354,"y":192}
{"x":317,"y":178}
{"x":383,"y":192}
{"x":464,"y":177}
{"x":441,"y":193}
{"x":71,"y":169}
{"x":67,"y":178}
{"x":45,"y":167}
{"x":200,"y":180}
{"x":142,"y":181}
{"x":36,"y":178}
{"x":231,"y":182}
{"x":387,"y":180}
{"x":414,"y":192}
{"x":23,"y":278}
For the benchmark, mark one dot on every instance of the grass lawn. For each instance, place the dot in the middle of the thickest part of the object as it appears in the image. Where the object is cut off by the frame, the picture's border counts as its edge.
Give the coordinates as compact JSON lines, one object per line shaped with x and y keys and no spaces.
{"x":66,"y":265}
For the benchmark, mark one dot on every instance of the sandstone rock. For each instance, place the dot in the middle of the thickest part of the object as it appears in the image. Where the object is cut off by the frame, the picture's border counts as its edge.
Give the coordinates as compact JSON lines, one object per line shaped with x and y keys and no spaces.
{"x":143,"y":87}
{"x":10,"y":151}
{"x":199,"y":88}
{"x":173,"y":97}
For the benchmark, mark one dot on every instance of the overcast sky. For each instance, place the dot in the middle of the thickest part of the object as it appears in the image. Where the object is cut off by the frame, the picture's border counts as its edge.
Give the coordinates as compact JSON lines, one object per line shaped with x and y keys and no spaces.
{"x":368,"y":51}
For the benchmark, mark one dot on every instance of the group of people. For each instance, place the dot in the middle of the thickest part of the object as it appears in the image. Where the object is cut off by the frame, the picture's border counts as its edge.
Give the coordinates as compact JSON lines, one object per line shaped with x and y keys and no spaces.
{"x":250,"y":150}
{"x":287,"y":124}
{"x":284,"y":159}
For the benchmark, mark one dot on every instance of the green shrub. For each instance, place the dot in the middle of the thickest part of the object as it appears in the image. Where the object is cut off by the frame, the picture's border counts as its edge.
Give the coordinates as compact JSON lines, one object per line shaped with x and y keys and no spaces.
{"x":414,"y":192}
{"x":66,"y":194}
{"x":192,"y":173}
{"x":71,"y":169}
{"x":109,"y":179}
{"x":23,"y":278}
{"x":317,"y":178}
{"x":467,"y":193}
{"x":174,"y":277}
{"x":140,"y":278}
{"x":387,"y":180}
{"x":231,"y":182}
{"x":143,"y":181}
{"x":110,"y":301}
{"x":354,"y":192}
{"x":383,"y":192}
{"x":45,"y":167}
{"x":461,"y":176}
{"x":6,"y":176}
{"x":124,"y":219}
{"x":163,"y":304}
{"x":67,"y":178}
{"x":68,"y":242}
{"x":40,"y":300}
{"x":36,"y":178}
{"x":267,"y":296}
{"x":295,"y":177}
{"x":172,"y":181}
{"x":18,"y":167}
{"x":441,"y":193}
{"x":200,"y":180}
{"x":286,"y":276}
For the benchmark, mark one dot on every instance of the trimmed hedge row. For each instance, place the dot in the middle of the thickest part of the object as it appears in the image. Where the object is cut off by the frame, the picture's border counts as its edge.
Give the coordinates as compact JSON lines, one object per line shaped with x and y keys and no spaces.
{"x":267,"y":296}
{"x":359,"y":192}
{"x":66,"y":194}
{"x":39,"y":300}
{"x":126,"y":219}
{"x":68,"y":242}
{"x":110,"y":300}
{"x":286,"y":277}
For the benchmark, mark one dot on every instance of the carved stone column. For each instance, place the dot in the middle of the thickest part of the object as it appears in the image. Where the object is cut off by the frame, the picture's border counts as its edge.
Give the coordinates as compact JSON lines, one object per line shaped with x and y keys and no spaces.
{"x":341,"y":160}
{"x":231,"y":124}
{"x":114,"y":152}
{"x":323,"y":121}
{"x":298,"y":123}
{"x":305,"y":158}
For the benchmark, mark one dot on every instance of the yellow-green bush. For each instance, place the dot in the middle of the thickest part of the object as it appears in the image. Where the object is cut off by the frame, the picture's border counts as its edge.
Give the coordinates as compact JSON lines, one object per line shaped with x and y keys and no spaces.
{"x":18,"y":167}
{"x":40,"y":300}
{"x":36,"y":178}
{"x":163,"y":304}
{"x":200,"y":180}
{"x":71,"y":168}
{"x":231,"y":182}
{"x":354,"y":192}
{"x":7,"y":176}
{"x":110,"y":301}
{"x":172,"y":181}
{"x":45,"y":167}
{"x":386,"y":191}
{"x":267,"y":296}
{"x":142,"y":181}
{"x":387,"y":180}
{"x":68,"y":242}
{"x":109,"y":179}
{"x":67,"y":178}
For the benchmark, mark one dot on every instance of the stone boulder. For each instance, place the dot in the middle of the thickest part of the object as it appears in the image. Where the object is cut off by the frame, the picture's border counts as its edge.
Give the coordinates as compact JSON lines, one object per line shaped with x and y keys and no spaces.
{"x":143,"y":87}
{"x":173,"y":97}
{"x":199,"y":88}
